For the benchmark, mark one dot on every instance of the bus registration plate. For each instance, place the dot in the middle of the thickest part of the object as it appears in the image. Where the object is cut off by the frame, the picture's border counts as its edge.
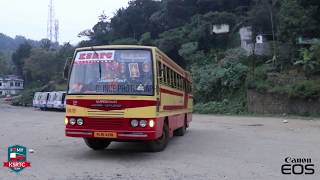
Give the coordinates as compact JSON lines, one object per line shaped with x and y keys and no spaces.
{"x":105,"y":134}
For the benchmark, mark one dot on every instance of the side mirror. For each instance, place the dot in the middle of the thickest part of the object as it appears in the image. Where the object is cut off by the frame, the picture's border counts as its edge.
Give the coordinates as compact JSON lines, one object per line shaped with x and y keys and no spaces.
{"x":67,"y":68}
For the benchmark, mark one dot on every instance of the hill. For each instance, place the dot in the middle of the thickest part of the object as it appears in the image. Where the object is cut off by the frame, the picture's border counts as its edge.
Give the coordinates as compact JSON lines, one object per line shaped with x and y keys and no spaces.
{"x":9,"y":45}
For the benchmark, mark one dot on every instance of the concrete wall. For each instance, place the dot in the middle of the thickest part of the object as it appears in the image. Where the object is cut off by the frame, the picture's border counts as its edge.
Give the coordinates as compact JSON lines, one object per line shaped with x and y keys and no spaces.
{"x":270,"y":103}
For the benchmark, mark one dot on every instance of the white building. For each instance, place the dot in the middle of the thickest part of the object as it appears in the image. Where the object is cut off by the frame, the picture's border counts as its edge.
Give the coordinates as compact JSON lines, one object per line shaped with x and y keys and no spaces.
{"x":261,"y":44}
{"x":10,"y":85}
{"x":220,"y":28}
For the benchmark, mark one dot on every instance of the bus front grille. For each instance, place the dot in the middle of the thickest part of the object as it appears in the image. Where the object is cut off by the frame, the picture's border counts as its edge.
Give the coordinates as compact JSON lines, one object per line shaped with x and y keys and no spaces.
{"x":93,"y":113}
{"x":103,"y":124}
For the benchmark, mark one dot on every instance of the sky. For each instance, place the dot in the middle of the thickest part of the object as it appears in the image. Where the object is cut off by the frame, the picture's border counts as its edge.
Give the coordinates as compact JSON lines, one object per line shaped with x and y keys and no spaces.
{"x":29,"y":17}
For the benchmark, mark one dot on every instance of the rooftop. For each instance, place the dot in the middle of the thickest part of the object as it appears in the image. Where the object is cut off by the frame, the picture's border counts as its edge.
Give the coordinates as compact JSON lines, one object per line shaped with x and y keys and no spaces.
{"x":11,"y":77}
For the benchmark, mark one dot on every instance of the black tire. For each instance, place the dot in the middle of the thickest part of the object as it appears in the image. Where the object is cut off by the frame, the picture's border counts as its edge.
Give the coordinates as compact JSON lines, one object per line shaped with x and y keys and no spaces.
{"x":96,"y":144}
{"x":161,"y":143}
{"x":181,"y":131}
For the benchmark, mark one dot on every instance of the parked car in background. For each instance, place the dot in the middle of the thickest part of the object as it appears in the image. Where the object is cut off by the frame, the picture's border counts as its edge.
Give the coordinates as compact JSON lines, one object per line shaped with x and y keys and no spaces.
{"x":8,"y":99}
{"x":43,"y":100}
{"x":59,"y":102}
{"x":36,"y":99}
{"x":51,"y":100}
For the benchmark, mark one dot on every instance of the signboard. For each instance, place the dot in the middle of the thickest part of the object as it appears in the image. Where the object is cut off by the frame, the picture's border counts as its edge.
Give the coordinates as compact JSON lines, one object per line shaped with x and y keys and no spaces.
{"x":94,"y":56}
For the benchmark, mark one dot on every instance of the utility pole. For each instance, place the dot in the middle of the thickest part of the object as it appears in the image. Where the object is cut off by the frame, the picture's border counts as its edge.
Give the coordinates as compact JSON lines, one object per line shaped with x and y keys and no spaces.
{"x":274,"y":58}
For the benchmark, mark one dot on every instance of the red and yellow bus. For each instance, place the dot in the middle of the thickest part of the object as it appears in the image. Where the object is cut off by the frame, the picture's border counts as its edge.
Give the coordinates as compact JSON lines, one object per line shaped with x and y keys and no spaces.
{"x":127,"y":93}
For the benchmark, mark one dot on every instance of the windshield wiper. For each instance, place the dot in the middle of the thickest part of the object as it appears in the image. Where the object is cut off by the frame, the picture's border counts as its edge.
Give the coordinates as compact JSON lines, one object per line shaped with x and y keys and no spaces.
{"x":95,"y":52}
{"x":100,"y":71}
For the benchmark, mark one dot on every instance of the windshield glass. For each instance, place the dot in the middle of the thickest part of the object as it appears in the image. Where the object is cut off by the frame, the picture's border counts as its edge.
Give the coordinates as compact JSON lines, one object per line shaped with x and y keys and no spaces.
{"x":127,"y":72}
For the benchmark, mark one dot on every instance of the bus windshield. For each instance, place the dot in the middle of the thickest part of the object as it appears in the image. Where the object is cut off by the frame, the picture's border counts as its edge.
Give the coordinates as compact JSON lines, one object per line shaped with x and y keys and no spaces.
{"x":122,"y":72}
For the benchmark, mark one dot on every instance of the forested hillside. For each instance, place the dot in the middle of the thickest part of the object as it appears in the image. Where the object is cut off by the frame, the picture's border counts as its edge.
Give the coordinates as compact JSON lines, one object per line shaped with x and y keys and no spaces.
{"x":7,"y":46}
{"x":222,"y":71}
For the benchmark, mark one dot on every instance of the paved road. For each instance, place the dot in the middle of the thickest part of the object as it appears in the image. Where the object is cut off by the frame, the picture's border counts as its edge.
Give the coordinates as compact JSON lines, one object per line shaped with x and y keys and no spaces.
{"x":215,"y":147}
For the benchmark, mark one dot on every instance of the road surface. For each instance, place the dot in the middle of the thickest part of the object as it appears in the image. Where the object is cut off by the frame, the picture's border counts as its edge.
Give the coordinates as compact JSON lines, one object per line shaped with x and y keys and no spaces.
{"x":215,"y":147}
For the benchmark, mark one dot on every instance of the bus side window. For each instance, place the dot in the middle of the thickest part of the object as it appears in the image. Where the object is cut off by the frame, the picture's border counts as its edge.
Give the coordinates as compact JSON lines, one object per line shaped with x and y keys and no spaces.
{"x":169,"y":76}
{"x":172,"y":78}
{"x":183,"y":84}
{"x":158,"y":69}
{"x":177,"y":80}
{"x":180,"y":82}
{"x":160,"y":72}
{"x":166,"y":77}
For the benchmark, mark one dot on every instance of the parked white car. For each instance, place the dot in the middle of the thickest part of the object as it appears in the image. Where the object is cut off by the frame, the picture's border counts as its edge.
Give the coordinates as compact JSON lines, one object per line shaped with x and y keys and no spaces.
{"x":43,"y":100}
{"x":36,"y":99}
{"x":59,"y":102}
{"x":51,"y":100}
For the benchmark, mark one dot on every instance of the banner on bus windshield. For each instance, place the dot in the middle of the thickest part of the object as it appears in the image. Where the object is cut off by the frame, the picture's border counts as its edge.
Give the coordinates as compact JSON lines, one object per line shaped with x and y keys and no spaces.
{"x":85,"y":57}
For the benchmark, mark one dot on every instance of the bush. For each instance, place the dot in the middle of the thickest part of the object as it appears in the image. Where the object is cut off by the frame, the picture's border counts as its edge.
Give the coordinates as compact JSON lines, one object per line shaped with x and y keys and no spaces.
{"x":305,"y":89}
{"x":258,"y":79}
{"x":25,"y":99}
{"x":299,"y":89}
{"x":223,"y":107}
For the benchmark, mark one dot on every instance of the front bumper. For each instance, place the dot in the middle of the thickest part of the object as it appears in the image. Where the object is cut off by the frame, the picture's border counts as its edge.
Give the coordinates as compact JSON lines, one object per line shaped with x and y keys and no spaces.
{"x":122,"y":135}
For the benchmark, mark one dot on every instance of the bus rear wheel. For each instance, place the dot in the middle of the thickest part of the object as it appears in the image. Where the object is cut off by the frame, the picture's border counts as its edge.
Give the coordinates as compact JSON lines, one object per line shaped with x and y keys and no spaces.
{"x":97,"y":144}
{"x":161,"y":143}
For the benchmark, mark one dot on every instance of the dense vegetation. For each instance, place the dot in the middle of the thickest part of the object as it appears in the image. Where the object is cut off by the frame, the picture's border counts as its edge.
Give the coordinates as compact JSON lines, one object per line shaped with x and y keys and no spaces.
{"x":222,"y":72}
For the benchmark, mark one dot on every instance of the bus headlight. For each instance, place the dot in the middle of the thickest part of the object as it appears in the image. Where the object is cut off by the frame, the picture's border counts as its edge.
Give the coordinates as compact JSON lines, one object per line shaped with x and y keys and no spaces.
{"x":151,"y":123}
{"x":143,"y":123}
{"x":66,"y":121}
{"x":72,"y":121}
{"x":134,"y":123}
{"x":80,"y":121}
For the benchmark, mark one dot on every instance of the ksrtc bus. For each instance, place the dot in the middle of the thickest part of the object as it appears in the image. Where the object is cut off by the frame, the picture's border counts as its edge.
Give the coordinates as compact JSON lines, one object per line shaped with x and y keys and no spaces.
{"x":126,"y":93}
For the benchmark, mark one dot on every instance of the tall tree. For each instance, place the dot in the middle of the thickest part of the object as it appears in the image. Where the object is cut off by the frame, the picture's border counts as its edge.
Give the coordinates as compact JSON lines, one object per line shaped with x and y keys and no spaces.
{"x":19,"y":56}
{"x":4,"y":67}
{"x":40,"y":66}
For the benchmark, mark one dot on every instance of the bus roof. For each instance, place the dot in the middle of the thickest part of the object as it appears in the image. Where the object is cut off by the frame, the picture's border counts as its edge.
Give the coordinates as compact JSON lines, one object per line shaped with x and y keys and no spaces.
{"x":116,"y":46}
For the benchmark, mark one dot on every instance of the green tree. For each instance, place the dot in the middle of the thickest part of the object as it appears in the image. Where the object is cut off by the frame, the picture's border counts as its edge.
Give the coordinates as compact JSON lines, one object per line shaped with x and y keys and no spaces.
{"x":295,"y":21}
{"x":40,"y":67}
{"x":309,"y":60}
{"x":128,"y":41}
{"x":146,"y":39}
{"x":4,"y":66}
{"x":19,"y":57}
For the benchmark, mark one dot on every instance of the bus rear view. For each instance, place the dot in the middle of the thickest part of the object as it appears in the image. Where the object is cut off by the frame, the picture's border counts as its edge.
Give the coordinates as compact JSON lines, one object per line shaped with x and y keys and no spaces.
{"x":112,"y":96}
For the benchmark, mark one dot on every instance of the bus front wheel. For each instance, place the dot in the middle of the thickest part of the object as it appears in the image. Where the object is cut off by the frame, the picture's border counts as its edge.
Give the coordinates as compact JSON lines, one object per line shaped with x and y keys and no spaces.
{"x":97,"y":144}
{"x":181,"y":131}
{"x":161,"y":143}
